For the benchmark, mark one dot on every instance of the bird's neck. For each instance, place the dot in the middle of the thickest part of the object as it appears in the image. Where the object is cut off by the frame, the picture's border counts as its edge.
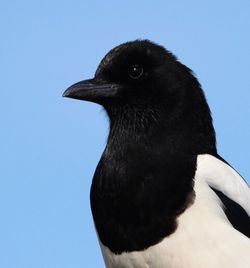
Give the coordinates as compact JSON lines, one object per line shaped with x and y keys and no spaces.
{"x":150,"y":129}
{"x":135,"y":125}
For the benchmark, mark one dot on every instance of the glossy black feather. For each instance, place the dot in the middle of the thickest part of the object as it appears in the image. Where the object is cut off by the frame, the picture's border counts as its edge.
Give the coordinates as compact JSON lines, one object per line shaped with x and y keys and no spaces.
{"x":158,"y":126}
{"x":135,"y":203}
{"x":159,"y":123}
{"x":235,"y":214}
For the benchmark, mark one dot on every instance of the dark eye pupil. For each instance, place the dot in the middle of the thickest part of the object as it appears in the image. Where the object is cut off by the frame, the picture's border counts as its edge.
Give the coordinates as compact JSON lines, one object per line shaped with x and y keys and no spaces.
{"x":135,"y":71}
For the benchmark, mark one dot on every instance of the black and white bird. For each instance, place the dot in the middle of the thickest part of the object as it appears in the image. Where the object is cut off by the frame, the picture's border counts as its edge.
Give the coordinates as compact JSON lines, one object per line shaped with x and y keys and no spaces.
{"x":161,"y":195}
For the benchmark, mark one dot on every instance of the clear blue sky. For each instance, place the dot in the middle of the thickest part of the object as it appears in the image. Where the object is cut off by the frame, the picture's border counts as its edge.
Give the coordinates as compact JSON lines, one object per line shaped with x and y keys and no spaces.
{"x":50,"y":145}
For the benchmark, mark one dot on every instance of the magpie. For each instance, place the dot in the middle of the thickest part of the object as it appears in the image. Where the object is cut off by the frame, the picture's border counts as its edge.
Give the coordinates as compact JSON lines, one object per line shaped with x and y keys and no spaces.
{"x":161,"y":195}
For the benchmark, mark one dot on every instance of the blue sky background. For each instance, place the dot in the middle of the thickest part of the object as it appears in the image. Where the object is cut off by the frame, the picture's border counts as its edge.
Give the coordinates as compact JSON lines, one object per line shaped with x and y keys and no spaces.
{"x":50,"y":145}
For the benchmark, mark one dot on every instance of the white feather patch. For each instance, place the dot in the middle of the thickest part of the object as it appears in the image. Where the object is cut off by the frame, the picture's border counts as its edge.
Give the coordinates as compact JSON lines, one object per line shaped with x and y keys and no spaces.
{"x":222,"y":177}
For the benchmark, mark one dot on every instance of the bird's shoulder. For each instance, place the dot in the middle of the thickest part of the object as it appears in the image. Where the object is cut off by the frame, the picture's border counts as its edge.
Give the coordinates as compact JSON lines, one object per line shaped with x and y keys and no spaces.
{"x":230,"y":187}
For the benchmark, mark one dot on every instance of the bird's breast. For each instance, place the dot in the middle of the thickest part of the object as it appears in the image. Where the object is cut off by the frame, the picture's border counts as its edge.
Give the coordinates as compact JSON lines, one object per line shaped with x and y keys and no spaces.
{"x":135,"y":201}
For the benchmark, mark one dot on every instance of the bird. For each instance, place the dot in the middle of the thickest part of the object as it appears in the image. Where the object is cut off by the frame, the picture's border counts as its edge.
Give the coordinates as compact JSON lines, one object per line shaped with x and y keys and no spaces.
{"x":161,"y":195}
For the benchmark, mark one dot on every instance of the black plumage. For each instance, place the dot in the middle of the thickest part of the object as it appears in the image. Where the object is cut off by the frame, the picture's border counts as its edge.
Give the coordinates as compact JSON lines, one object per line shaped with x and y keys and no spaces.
{"x":159,"y":123}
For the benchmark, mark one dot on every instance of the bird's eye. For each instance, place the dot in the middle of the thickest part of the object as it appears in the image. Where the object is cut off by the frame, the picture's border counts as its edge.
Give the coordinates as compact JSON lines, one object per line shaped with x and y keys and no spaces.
{"x":135,"y":71}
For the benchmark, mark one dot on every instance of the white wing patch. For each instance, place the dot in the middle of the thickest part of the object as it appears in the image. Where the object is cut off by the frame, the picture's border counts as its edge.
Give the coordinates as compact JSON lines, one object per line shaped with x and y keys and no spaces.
{"x":222,"y":177}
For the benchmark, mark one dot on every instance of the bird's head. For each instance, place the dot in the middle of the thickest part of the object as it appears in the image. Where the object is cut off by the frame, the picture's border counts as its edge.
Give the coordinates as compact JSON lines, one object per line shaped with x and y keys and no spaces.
{"x":130,"y":74}
{"x":141,"y":84}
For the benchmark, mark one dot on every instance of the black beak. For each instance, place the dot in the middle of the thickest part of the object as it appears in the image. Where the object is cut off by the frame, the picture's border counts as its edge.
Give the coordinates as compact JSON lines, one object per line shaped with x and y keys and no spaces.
{"x":92,"y":90}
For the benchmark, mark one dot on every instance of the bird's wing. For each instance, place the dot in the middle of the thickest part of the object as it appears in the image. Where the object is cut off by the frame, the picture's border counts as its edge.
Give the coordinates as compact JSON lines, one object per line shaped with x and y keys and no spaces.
{"x":230,"y":187}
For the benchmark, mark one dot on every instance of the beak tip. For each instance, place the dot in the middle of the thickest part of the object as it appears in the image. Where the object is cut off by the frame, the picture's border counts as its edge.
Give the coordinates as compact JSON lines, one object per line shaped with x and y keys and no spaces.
{"x":66,"y":94}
